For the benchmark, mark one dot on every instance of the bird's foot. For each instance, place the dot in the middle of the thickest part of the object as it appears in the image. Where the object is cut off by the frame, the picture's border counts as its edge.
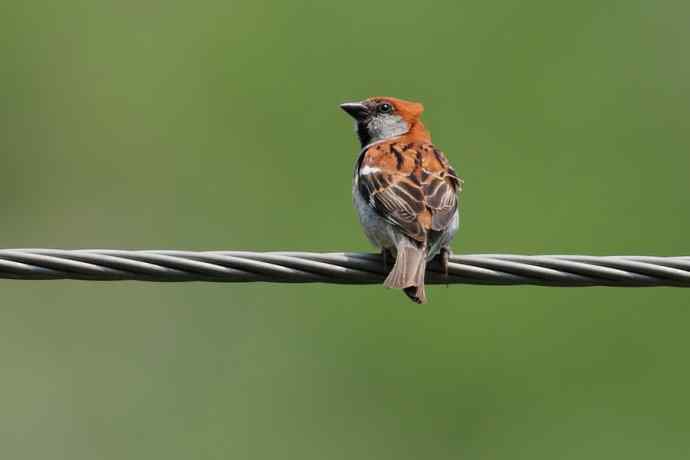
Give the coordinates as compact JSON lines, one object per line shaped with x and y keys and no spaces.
{"x":443,"y":257}
{"x":387,"y":256}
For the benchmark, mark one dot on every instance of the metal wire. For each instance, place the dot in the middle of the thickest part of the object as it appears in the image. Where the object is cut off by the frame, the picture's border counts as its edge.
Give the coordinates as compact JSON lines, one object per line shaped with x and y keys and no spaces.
{"x":338,"y":267}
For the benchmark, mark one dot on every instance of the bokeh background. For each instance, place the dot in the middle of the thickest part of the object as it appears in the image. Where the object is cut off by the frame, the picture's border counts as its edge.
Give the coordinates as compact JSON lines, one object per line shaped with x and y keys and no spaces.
{"x":214,"y":125}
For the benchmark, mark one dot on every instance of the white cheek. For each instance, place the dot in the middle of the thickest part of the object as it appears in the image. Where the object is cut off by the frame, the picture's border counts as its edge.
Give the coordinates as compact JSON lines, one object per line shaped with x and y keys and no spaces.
{"x":387,"y":127}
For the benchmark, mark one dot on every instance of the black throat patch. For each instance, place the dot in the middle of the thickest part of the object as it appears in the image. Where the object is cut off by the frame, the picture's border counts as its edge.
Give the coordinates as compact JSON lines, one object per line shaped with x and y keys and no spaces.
{"x":363,"y":134}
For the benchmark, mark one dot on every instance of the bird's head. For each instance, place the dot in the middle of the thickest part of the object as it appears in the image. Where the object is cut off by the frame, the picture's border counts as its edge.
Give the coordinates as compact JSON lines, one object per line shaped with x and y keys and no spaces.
{"x":380,"y":118}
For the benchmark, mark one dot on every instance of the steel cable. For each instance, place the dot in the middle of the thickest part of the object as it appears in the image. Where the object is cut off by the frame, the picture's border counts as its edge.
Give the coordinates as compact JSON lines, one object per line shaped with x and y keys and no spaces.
{"x":339,"y":267}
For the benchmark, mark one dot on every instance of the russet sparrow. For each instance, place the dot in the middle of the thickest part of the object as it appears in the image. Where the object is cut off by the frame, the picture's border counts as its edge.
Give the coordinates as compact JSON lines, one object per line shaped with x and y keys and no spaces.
{"x":404,"y":190}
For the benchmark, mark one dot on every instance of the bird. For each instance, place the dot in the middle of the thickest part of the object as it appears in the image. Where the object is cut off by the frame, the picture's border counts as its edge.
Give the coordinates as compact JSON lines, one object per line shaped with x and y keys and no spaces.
{"x":404,"y":190}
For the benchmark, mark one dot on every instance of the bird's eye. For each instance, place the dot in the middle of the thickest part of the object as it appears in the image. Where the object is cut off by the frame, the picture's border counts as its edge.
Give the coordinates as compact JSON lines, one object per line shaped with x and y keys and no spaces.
{"x":386,"y":107}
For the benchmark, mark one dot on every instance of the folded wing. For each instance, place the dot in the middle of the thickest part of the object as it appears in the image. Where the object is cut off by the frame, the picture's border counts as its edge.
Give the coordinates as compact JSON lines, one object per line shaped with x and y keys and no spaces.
{"x":411,"y":185}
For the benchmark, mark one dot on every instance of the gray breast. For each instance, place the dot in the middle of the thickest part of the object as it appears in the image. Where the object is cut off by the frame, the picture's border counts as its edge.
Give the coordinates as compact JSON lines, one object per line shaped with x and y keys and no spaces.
{"x":378,"y":230}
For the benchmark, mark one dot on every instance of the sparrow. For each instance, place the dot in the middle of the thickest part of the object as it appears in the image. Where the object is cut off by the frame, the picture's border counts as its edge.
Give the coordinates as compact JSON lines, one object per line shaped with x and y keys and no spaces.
{"x":404,"y":190}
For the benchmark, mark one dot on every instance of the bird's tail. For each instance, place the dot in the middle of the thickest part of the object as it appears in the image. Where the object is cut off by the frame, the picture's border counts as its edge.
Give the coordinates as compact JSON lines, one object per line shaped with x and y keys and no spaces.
{"x":408,"y":273}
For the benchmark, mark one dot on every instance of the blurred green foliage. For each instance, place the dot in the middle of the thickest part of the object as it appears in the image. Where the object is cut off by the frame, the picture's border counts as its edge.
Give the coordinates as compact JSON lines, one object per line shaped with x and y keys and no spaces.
{"x":214,"y":125}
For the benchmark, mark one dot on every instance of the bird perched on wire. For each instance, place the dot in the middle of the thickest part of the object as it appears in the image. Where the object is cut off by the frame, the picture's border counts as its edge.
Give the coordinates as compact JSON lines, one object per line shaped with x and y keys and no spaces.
{"x":404,"y":190}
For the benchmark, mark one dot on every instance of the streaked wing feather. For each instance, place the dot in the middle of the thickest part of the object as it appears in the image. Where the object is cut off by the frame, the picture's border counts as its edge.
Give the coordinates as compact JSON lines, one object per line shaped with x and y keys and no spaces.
{"x":394,"y":202}
{"x":410,"y":185}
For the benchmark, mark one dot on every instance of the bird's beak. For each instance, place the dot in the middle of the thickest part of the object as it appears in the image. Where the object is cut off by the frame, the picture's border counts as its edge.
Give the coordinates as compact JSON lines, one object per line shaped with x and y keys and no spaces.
{"x":356,"y":110}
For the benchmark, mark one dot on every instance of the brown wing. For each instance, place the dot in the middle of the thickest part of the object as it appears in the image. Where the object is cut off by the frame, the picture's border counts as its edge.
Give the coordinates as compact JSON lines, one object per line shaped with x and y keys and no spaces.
{"x":441,"y":188}
{"x":411,"y":185}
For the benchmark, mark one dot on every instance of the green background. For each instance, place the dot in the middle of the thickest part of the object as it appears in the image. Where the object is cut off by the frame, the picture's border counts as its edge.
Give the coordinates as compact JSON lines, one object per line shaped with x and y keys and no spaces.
{"x":214,"y":125}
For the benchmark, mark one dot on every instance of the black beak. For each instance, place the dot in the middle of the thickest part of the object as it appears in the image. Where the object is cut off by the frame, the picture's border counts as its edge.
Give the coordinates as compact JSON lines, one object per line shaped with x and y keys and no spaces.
{"x":356,"y":110}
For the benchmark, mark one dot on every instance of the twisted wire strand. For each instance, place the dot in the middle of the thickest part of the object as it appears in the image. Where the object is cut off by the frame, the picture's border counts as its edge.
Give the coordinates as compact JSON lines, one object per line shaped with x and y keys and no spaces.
{"x":339,"y":267}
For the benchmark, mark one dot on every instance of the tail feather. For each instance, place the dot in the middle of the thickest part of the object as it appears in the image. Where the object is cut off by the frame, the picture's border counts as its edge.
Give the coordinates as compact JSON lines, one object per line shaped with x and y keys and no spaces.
{"x":408,"y":273}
